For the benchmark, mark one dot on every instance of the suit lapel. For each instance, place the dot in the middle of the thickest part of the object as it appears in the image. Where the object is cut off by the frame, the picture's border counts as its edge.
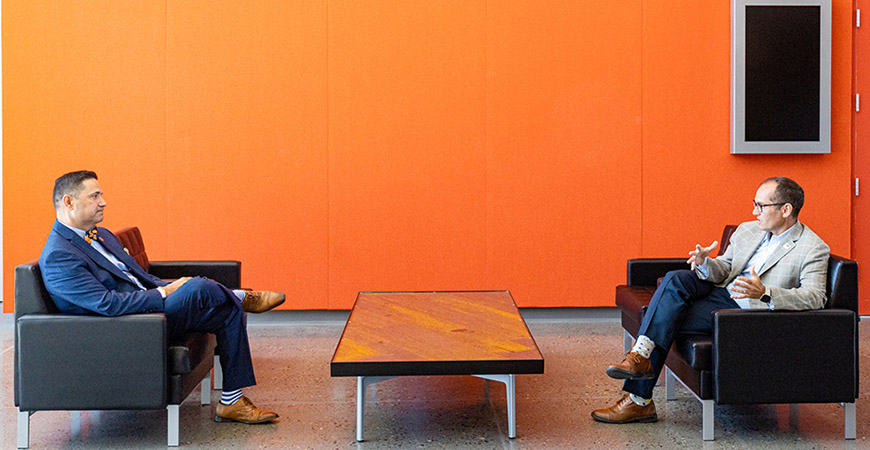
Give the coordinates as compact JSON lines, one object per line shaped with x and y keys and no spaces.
{"x":108,"y":244}
{"x":86,"y":248}
{"x":788,"y":244}
{"x":118,"y":252}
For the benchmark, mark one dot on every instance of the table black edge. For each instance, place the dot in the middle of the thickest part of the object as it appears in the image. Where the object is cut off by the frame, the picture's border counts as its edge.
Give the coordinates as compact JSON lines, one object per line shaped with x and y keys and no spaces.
{"x":405,"y":368}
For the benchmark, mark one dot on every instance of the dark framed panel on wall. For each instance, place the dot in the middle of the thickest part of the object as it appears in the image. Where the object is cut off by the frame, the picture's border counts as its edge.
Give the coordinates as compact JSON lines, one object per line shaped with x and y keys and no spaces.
{"x":781,"y":76}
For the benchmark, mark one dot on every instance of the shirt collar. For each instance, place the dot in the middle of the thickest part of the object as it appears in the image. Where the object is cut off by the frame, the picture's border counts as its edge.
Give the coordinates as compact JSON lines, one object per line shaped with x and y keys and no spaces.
{"x":776,"y":239}
{"x":81,"y":233}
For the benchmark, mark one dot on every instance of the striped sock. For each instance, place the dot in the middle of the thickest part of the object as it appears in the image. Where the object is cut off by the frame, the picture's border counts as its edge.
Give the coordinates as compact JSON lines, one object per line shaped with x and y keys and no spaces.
{"x":640,"y":401}
{"x":643,"y":346}
{"x":230,"y":397}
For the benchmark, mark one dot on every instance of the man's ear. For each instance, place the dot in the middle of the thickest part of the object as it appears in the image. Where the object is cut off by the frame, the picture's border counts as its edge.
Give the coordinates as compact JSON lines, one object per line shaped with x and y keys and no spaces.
{"x":787,"y":210}
{"x":67,"y":201}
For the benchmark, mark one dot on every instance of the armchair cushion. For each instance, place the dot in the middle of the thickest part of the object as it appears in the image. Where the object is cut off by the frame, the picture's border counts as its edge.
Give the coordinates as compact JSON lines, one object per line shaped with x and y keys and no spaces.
{"x":193,"y":348}
{"x":696,"y":349}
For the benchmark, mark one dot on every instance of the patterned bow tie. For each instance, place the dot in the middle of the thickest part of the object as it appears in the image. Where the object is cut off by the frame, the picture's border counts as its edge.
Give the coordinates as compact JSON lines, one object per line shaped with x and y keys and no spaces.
{"x":91,"y":235}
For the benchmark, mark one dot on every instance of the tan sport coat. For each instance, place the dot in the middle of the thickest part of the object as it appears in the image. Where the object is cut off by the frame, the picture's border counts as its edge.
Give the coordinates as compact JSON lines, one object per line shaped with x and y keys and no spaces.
{"x":796,"y":271}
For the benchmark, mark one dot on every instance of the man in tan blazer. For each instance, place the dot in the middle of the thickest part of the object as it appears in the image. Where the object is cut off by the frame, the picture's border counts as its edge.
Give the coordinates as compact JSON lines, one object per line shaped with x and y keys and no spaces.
{"x":774,"y":262}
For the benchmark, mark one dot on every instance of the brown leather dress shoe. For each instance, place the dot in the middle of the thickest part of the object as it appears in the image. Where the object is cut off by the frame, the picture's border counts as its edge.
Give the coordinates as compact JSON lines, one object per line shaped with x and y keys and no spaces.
{"x":626,"y":411}
{"x":261,"y":301}
{"x":242,"y":411}
{"x":633,"y":366}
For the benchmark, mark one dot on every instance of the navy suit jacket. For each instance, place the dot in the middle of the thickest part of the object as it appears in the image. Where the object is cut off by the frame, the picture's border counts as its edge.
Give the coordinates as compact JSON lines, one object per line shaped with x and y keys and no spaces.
{"x":82,"y":281}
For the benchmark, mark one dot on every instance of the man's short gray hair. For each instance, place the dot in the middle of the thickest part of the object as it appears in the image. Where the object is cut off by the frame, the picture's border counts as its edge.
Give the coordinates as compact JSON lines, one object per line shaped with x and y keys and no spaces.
{"x":70,"y":184}
{"x":787,"y":191}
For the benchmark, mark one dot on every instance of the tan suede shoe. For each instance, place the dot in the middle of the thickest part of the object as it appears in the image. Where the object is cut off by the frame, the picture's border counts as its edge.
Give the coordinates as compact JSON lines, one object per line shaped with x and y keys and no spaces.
{"x":261,"y":301}
{"x":242,"y":411}
{"x":633,"y":366}
{"x":626,"y":411}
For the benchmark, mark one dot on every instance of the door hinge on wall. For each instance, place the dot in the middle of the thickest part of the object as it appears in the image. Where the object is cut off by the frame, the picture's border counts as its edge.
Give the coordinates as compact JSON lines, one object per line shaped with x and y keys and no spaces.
{"x":857,"y":18}
{"x":856,"y":186}
{"x":857,"y":102}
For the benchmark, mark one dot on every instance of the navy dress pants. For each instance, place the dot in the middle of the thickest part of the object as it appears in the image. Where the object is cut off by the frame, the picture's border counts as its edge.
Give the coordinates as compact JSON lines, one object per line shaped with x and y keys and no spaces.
{"x":683,"y":303}
{"x":203,"y":305}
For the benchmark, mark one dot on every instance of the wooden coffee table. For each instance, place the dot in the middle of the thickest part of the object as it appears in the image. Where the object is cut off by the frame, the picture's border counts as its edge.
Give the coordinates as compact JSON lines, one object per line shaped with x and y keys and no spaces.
{"x":478,"y":333}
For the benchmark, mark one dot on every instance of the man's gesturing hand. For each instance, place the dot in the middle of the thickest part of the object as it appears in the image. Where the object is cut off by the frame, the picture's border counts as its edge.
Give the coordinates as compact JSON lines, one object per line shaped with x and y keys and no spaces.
{"x":751,"y":287}
{"x":699,"y":254}
{"x":171,"y":287}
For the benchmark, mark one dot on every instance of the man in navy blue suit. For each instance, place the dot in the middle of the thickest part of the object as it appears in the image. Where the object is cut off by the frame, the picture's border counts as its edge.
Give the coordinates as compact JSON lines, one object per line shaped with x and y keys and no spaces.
{"x":87,"y":271}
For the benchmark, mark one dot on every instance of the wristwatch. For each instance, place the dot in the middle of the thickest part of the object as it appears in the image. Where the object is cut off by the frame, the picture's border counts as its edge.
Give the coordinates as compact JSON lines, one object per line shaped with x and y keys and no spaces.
{"x":765,"y":298}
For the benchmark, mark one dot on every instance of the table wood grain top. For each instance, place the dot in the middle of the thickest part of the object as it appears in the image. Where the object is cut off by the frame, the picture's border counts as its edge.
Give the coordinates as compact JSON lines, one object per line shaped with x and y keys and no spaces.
{"x":435,"y":333}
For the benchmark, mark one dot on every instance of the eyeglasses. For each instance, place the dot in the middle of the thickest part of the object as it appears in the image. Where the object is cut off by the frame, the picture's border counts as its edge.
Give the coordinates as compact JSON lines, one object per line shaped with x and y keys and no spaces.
{"x":760,"y":206}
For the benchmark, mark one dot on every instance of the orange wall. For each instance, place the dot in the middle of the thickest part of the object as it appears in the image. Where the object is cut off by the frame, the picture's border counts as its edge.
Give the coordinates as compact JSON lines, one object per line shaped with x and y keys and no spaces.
{"x":341,"y":146}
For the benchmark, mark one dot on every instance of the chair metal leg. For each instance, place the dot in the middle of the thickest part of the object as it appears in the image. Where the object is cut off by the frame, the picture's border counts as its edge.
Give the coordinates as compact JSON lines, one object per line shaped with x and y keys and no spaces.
{"x":75,"y":422}
{"x":218,"y":373}
{"x":627,"y":341}
{"x":172,"y":425}
{"x":670,"y":384}
{"x":849,"y":413}
{"x":707,"y":421}
{"x":205,"y":390}
{"x":23,"y":429}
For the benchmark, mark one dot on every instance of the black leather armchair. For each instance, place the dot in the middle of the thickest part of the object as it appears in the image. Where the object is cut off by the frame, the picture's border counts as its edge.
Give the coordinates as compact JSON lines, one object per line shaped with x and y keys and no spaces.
{"x":74,"y":362}
{"x":734,"y":364}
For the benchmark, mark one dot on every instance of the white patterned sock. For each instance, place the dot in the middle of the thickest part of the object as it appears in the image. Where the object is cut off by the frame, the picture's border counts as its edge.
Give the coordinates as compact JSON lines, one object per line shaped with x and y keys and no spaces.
{"x":643,"y":346}
{"x":230,"y":397}
{"x":640,"y":401}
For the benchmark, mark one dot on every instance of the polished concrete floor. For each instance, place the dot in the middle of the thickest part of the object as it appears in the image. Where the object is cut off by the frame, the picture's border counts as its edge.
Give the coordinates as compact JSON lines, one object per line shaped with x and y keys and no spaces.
{"x":292,"y":353}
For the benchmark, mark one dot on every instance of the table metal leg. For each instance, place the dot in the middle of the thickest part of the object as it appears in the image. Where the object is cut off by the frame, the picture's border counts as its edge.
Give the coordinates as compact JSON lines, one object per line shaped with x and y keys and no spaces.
{"x":361,"y":384}
{"x":360,"y":406}
{"x":511,"y":397}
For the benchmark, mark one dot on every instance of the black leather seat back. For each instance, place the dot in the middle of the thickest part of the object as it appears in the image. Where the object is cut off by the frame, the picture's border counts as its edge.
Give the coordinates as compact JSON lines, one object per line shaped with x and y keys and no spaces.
{"x":30,"y":293}
{"x":726,"y":238}
{"x":842,"y":288}
{"x":31,"y":297}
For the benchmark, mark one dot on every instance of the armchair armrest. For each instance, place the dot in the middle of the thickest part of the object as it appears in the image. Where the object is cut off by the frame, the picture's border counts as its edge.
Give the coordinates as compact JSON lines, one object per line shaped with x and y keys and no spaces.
{"x":227,"y":273}
{"x":646,"y":271}
{"x":785,"y":356}
{"x":67,"y":362}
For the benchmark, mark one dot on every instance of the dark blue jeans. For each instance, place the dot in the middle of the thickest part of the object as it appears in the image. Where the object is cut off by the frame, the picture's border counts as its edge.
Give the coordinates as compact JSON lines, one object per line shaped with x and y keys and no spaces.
{"x":204,"y":305}
{"x":683,"y":303}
